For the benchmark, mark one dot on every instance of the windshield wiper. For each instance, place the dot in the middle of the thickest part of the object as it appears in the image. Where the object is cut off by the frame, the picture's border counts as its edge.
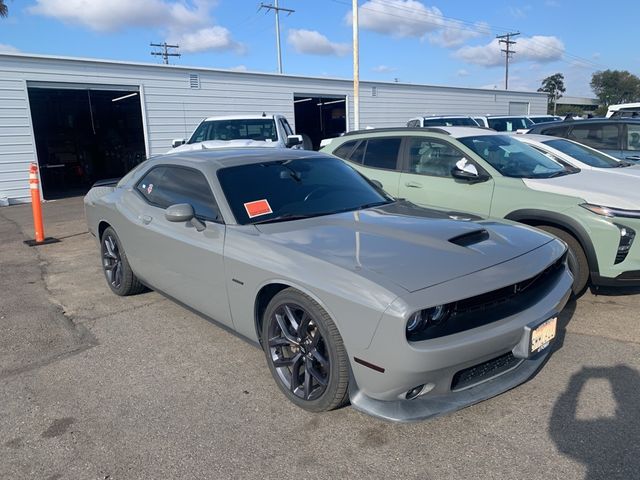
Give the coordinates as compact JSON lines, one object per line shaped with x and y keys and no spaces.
{"x":282,"y":218}
{"x":558,"y":174}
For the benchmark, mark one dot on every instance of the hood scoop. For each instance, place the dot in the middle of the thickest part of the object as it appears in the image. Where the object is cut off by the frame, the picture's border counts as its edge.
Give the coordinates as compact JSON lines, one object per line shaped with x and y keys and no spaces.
{"x":470,"y":238}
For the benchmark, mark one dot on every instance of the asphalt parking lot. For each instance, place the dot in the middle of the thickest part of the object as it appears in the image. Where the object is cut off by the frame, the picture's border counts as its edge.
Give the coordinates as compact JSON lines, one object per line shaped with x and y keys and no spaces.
{"x":97,"y":386}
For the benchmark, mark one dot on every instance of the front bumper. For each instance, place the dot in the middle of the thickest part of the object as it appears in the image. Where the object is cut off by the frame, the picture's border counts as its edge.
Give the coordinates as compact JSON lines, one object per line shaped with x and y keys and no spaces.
{"x":438,"y":362}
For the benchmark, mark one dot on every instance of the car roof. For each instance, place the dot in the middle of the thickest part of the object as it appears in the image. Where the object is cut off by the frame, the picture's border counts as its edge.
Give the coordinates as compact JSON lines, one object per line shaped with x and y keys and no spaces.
{"x":238,"y":117}
{"x":446,"y":116}
{"x":215,"y":159}
{"x":586,"y":121}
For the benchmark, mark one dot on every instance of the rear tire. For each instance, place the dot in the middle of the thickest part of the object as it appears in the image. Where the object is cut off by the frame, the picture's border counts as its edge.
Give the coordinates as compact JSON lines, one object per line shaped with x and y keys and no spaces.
{"x":578,"y":263}
{"x":305,"y":352}
{"x":115,"y":265}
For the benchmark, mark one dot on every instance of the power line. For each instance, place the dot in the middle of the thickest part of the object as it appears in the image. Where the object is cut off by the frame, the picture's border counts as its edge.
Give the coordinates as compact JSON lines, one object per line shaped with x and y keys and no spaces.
{"x":506,"y":39}
{"x":277,"y":11}
{"x":165,"y":53}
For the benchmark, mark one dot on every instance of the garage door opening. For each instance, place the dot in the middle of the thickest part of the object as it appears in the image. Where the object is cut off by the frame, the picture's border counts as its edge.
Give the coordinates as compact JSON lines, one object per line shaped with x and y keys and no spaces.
{"x":320,"y":117}
{"x":84,"y":135}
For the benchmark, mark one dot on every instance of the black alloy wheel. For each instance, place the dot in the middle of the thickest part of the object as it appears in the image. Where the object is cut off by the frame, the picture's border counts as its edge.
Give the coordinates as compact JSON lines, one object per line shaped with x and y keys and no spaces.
{"x":115,"y":265}
{"x":305,"y":352}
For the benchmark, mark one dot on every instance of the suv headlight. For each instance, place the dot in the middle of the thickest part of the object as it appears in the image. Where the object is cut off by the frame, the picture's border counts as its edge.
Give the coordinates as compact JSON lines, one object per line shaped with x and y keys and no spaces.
{"x":610,"y":212}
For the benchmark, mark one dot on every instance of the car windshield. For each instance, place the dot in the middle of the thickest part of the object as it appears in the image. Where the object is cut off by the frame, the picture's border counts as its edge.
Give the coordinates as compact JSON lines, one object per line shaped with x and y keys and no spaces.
{"x":300,"y":188}
{"x":584,"y":154}
{"x":513,"y":158}
{"x":509,"y":124}
{"x":261,"y":129}
{"x":450,"y":122}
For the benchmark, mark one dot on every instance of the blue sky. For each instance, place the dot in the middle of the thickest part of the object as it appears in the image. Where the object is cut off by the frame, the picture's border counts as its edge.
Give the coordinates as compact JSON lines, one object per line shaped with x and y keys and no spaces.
{"x":415,"y":41}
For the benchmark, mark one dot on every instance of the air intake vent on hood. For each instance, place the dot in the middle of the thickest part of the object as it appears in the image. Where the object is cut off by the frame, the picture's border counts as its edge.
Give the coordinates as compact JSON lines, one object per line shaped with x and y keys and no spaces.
{"x":470,"y":238}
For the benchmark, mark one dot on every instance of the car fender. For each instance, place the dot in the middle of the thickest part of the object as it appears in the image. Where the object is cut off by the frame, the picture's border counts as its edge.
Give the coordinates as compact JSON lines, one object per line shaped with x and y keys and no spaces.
{"x":562,"y":221}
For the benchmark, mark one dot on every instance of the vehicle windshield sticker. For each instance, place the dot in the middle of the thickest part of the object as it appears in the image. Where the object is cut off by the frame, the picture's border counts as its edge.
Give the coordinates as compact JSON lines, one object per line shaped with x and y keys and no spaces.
{"x":149,"y":189}
{"x":257,"y":208}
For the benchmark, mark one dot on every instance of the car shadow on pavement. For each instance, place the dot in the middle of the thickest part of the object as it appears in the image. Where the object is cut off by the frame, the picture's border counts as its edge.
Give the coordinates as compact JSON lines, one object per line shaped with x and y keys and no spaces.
{"x":563,"y":320}
{"x":615,"y":291}
{"x":608,"y":446}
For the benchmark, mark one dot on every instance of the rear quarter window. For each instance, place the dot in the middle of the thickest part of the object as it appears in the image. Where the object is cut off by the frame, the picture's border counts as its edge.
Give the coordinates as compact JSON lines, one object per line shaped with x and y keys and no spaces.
{"x":382,"y":153}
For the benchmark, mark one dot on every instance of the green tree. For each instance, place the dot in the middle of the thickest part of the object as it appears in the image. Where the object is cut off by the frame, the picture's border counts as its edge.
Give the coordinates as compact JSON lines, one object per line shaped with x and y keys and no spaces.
{"x":4,"y":10}
{"x":615,"y":86}
{"x":553,"y":86}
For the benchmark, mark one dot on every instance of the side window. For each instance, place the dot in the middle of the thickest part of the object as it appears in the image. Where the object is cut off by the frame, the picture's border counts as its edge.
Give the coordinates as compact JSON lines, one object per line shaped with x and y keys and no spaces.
{"x":382,"y":153}
{"x":358,"y":154}
{"x":633,"y":137}
{"x":344,"y":150}
{"x":164,"y":186}
{"x":432,"y":157}
{"x":413,"y":123}
{"x":596,"y":136}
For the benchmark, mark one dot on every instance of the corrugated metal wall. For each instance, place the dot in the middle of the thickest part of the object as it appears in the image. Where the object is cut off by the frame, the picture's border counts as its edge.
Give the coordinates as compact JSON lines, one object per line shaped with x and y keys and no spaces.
{"x":172,"y":108}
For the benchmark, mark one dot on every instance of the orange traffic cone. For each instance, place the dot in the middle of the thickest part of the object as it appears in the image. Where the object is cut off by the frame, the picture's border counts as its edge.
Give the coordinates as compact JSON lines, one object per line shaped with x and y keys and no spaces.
{"x":36,"y":207}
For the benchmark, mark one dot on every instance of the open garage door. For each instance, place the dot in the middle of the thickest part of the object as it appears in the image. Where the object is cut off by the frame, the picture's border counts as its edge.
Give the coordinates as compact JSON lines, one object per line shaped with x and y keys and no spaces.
{"x":320,"y":117}
{"x":84,"y":134}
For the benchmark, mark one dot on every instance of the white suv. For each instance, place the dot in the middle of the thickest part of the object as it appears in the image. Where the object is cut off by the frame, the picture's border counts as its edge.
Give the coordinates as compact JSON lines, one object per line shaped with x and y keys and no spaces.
{"x":442,"y":121}
{"x":240,"y":131}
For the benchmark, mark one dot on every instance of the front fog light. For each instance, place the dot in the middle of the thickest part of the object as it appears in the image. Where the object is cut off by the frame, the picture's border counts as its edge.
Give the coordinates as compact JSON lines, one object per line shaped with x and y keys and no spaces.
{"x":627,"y":235}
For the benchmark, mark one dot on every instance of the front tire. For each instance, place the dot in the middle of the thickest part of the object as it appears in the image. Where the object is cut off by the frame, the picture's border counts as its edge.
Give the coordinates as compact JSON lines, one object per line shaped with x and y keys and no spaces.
{"x":578,"y":263}
{"x":115,"y":265}
{"x":305,"y":352}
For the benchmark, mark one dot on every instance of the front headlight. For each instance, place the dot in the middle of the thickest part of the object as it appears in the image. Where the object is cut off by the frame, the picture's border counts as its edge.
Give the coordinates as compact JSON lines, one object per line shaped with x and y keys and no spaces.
{"x":426,"y":318}
{"x":611,"y":212}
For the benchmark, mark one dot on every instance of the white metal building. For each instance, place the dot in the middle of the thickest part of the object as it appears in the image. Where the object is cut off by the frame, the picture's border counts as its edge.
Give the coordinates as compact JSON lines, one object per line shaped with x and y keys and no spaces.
{"x":85,"y":119}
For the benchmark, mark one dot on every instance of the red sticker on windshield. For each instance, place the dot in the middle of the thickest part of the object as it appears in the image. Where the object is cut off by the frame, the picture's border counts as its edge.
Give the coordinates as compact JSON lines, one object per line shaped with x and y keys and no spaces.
{"x":257,"y":208}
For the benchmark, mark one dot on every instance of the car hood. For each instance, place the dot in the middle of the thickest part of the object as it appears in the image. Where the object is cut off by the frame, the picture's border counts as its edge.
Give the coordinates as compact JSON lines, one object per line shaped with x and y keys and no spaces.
{"x":593,"y":186}
{"x":412,"y":247}
{"x":188,"y":147}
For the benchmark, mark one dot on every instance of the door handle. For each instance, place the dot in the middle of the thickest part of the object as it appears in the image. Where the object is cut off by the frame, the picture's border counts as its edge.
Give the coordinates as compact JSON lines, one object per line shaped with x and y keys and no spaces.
{"x":413,"y":185}
{"x":146,"y":219}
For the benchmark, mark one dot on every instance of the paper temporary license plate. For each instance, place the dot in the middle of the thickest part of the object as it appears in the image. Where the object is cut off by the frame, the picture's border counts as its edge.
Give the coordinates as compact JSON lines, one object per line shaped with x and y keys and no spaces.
{"x":543,"y":334}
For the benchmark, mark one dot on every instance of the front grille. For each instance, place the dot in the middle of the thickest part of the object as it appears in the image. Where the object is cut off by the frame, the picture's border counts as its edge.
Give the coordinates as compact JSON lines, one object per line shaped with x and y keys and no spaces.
{"x":492,"y":306}
{"x":484,"y":371}
{"x":495,"y":297}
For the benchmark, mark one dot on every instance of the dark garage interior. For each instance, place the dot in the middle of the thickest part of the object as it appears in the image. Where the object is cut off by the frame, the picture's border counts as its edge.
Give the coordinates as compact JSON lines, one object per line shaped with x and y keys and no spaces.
{"x":83,"y":135}
{"x":319,"y":117}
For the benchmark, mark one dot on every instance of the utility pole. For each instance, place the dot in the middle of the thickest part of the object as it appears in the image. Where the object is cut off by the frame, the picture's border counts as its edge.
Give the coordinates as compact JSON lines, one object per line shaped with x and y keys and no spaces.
{"x":276,"y":8}
{"x":165,"y":54}
{"x":506,"y":39}
{"x":356,"y":69}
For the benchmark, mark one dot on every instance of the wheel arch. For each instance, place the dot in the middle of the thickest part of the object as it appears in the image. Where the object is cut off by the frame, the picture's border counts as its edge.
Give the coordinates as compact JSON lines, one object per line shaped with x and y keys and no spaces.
{"x":102,"y":226}
{"x":535,"y":218}
{"x":270,"y":289}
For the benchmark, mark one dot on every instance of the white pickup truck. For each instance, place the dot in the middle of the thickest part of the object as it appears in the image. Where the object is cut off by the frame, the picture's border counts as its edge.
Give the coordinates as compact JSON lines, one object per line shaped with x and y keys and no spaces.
{"x":240,"y":131}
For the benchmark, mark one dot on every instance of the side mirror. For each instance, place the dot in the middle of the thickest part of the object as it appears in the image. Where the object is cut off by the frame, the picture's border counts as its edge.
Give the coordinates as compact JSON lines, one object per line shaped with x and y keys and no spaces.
{"x":183,"y":212}
{"x":293,"y":140}
{"x":177,"y":142}
{"x":180,"y":212}
{"x":466,"y":171}
{"x":378,"y":184}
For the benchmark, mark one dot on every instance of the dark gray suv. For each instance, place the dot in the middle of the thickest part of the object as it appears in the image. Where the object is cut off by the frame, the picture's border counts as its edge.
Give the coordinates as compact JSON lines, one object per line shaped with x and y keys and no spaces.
{"x":617,"y":137}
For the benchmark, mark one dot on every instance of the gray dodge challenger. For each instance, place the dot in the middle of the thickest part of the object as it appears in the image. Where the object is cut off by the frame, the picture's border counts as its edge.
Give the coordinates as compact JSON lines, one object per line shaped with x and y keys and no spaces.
{"x":352,"y":295}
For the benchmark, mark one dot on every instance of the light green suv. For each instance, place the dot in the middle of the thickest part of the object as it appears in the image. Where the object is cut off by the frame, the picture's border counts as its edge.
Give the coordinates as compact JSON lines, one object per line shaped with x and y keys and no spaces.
{"x":494,"y":175}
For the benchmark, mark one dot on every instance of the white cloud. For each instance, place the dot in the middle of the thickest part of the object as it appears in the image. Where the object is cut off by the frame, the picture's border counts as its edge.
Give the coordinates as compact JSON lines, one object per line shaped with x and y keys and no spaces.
{"x":113,"y":15}
{"x":462,"y":73}
{"x":538,"y":48}
{"x":454,"y":33}
{"x":519,"y":12}
{"x":413,"y":19}
{"x":187,"y":22}
{"x":398,"y":18}
{"x":314,"y":43}
{"x":4,"y":48}
{"x":383,"y":69}
{"x":206,"y":39}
